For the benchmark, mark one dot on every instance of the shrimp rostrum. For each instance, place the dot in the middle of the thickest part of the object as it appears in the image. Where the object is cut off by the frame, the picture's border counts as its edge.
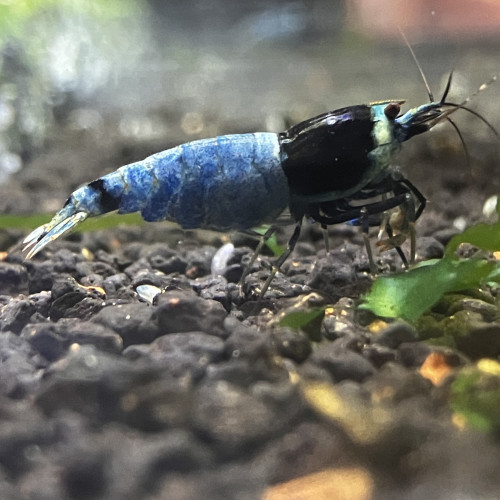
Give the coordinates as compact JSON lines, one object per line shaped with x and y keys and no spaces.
{"x":333,"y":168}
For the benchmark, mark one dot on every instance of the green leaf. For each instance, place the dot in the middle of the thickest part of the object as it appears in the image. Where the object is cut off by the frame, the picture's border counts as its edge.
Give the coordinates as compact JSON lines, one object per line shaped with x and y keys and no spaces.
{"x":108,"y":221}
{"x":271,"y":242}
{"x":408,"y":295}
{"x":484,"y":236}
{"x":301,"y":319}
{"x":25,"y":222}
{"x":274,"y":246}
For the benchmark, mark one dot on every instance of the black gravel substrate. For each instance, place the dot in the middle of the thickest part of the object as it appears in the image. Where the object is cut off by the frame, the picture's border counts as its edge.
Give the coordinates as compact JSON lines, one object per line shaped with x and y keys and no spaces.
{"x":203,"y":394}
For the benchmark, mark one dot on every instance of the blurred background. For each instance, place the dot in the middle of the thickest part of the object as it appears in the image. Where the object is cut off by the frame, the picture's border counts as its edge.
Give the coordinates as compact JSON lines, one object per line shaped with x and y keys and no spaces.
{"x":88,"y":85}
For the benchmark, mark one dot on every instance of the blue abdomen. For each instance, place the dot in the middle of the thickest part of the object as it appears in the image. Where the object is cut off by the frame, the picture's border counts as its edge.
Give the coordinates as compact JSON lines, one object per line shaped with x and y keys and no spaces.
{"x":228,"y":182}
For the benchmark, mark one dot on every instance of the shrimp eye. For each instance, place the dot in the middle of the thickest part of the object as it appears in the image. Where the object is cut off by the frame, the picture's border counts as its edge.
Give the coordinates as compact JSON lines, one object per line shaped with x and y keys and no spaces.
{"x":392,"y":110}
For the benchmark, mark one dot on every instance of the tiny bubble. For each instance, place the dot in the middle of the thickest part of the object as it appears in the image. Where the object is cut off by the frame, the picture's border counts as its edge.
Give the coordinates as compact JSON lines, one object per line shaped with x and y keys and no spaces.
{"x":91,"y":361}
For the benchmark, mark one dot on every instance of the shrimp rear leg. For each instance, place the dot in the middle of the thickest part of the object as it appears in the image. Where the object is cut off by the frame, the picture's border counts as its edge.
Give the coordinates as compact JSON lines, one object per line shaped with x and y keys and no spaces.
{"x":359,"y":216}
{"x":263,"y":238}
{"x":281,"y":259}
{"x":403,"y":223}
{"x":403,"y":195}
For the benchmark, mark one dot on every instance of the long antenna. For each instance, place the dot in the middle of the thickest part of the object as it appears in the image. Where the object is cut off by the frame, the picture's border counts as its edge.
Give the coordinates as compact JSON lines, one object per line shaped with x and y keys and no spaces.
{"x":484,"y":86}
{"x":453,"y":107}
{"x":422,"y":74}
{"x":447,"y":88}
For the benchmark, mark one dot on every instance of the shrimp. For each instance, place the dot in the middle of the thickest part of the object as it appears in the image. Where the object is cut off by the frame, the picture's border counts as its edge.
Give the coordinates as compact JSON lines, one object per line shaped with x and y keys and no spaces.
{"x":328,"y":168}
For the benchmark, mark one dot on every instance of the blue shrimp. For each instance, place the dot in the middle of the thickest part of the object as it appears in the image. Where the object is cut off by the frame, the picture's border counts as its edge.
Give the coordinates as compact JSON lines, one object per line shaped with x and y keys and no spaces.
{"x":328,"y":169}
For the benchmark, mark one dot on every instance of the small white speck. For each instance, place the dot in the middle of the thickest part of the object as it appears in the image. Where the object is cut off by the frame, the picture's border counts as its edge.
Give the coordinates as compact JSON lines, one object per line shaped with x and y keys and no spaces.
{"x":490,"y":205}
{"x":147,"y":292}
{"x":460,"y":223}
{"x":91,"y":361}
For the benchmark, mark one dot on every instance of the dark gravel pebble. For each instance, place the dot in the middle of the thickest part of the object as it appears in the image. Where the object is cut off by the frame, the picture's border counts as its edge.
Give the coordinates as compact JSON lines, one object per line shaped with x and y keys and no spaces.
{"x":379,"y":354}
{"x":444,"y":235}
{"x":112,"y":284}
{"x":302,"y":450}
{"x":42,"y":302}
{"x":110,"y":388}
{"x":215,"y":288}
{"x":333,"y":327}
{"x":91,"y":333}
{"x":482,"y":340}
{"x":41,"y":275}
{"x":164,"y":259}
{"x":20,"y":367}
{"x":132,"y":322}
{"x":291,"y":344}
{"x":96,"y":269}
{"x":429,"y":248}
{"x":400,"y":383}
{"x":139,"y":266}
{"x":70,"y":299}
{"x":66,"y":261}
{"x":342,"y":363}
{"x":13,"y":279}
{"x":395,"y":334}
{"x":489,"y":311}
{"x":244,"y":341}
{"x":16,"y":314}
{"x":243,"y":372}
{"x":179,"y":311}
{"x":233,"y":273}
{"x":22,"y":430}
{"x":247,"y":480}
{"x":150,"y":277}
{"x":182,"y":354}
{"x":413,"y":354}
{"x":84,"y":474}
{"x":232,"y":418}
{"x":198,"y":261}
{"x":76,"y":306}
{"x":333,"y":277}
{"x":46,"y":339}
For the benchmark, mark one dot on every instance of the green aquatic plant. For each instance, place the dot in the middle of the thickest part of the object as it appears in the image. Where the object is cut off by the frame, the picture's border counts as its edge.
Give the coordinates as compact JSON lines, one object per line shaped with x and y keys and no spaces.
{"x":409,"y":294}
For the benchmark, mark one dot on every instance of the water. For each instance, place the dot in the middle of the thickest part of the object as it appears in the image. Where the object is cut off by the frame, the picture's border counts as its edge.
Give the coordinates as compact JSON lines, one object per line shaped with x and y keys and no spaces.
{"x":194,"y":69}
